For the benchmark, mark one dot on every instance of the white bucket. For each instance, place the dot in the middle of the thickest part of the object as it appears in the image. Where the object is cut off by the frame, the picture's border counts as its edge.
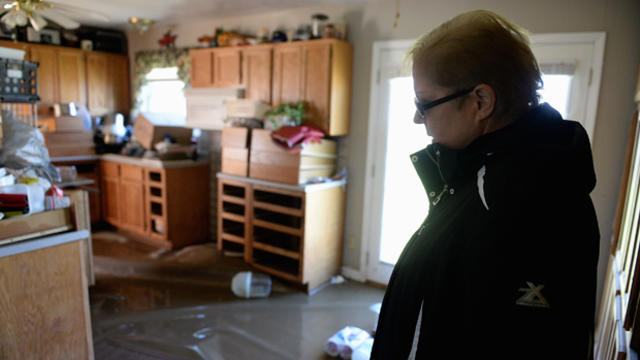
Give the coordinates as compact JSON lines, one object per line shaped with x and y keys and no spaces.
{"x":251,"y":285}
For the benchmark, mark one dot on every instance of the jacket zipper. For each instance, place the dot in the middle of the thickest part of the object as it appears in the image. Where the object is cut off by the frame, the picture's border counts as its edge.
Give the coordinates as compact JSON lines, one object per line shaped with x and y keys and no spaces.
{"x":446,"y":186}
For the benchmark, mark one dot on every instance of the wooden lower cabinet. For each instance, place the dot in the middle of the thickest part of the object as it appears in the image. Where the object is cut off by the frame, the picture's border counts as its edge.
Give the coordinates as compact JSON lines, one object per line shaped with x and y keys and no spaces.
{"x":166,"y":207}
{"x":292,"y":232}
{"x":110,"y":195}
{"x":133,"y":209}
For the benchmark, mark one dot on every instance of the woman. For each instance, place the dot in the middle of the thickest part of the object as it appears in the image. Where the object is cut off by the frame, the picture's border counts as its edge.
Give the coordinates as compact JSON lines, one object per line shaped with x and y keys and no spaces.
{"x":504,"y":265}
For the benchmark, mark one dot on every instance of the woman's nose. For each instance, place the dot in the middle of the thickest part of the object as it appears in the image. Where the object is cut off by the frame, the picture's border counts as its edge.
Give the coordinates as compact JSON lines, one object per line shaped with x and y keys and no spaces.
{"x":417,"y":119}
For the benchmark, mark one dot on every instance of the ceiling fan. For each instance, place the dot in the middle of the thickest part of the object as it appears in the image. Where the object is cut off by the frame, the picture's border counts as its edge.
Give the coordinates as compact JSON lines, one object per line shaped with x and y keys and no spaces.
{"x":37,"y":12}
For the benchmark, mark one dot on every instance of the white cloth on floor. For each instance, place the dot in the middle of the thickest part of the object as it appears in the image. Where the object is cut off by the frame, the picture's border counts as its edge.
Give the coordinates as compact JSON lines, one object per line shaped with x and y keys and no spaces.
{"x":345,"y":341}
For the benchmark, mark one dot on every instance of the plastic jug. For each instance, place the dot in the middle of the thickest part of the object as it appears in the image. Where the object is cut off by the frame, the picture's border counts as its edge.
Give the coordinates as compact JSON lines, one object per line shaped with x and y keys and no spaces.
{"x":251,"y":285}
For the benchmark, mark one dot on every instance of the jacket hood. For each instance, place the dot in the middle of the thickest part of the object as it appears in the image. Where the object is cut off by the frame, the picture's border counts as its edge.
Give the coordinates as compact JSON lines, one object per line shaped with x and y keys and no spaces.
{"x":556,"y":151}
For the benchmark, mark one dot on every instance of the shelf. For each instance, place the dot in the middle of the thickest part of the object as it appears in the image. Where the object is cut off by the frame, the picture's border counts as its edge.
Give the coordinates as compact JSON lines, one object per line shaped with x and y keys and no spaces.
{"x":232,"y":216}
{"x":233,"y":227}
{"x":276,"y":272}
{"x":156,"y":199}
{"x":233,"y":238}
{"x":291,"y":221}
{"x":277,"y":208}
{"x":232,"y":190}
{"x":156,"y":217}
{"x":155,"y":178}
{"x":276,"y":250}
{"x":277,"y":227}
{"x":274,"y":198}
{"x":233,"y":208}
{"x":233,"y":199}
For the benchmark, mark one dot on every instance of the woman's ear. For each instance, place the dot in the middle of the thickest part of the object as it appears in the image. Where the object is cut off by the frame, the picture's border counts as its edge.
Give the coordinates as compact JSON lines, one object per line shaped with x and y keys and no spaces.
{"x":485,"y":101}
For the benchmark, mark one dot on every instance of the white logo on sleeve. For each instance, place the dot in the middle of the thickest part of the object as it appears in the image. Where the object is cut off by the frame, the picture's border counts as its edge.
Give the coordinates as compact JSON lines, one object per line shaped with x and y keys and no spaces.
{"x":532,"y":296}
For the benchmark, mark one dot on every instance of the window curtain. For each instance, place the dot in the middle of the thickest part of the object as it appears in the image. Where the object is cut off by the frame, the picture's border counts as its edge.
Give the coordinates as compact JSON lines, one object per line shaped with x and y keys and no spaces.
{"x":558,"y":68}
{"x":145,"y":61}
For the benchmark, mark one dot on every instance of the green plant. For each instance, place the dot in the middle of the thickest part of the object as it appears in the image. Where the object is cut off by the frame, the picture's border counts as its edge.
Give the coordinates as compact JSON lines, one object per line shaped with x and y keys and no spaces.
{"x":293,"y":110}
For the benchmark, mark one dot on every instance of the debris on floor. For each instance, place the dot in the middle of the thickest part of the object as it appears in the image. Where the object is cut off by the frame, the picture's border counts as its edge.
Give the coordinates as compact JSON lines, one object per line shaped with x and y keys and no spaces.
{"x":247,"y":284}
{"x":346,"y":341}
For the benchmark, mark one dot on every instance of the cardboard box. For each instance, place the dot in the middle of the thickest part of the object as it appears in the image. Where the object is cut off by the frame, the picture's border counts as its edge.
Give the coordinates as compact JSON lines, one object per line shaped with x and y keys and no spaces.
{"x":246,"y":108}
{"x":206,"y":106}
{"x":24,"y":227}
{"x":69,"y":123}
{"x":69,"y":143}
{"x":235,"y":151}
{"x":272,"y":162}
{"x":150,"y":129}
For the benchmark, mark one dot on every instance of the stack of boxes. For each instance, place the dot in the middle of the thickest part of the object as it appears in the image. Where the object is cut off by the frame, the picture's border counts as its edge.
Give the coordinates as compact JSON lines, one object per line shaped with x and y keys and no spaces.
{"x":252,"y":153}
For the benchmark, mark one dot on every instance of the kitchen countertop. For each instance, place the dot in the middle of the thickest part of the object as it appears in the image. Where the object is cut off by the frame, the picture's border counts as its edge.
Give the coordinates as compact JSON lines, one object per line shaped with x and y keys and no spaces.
{"x":154,"y":163}
{"x":301,"y":187}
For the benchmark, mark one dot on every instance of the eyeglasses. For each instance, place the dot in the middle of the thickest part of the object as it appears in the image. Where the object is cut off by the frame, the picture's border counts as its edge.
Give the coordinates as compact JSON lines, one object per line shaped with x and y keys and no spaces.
{"x":422,"y":108}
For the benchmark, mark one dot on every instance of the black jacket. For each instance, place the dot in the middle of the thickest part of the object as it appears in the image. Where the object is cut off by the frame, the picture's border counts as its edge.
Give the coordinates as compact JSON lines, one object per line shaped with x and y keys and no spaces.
{"x":505,"y":263}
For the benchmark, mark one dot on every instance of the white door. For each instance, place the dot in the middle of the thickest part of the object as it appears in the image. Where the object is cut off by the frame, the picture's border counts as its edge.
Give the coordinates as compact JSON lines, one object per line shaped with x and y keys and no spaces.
{"x":395,"y":201}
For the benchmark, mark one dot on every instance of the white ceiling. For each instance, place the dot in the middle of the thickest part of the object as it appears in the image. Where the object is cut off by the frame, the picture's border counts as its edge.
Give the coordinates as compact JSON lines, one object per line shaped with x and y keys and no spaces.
{"x":115,"y":13}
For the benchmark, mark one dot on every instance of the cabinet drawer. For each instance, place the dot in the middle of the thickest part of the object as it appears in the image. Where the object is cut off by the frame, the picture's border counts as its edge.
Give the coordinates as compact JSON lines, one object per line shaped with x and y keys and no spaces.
{"x":110,"y":169}
{"x":131,"y":172}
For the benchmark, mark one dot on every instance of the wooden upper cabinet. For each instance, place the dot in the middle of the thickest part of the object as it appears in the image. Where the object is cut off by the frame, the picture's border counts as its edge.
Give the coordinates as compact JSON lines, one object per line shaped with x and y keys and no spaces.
{"x":288,"y":71}
{"x":98,"y":80}
{"x":201,"y":68}
{"x":318,"y":72}
{"x":16,"y":45}
{"x":71,"y":76}
{"x":47,"y":76}
{"x":256,"y":72}
{"x":317,"y":80}
{"x":98,"y":89}
{"x":219,"y":67}
{"x":119,"y":83}
{"x":226,"y":67}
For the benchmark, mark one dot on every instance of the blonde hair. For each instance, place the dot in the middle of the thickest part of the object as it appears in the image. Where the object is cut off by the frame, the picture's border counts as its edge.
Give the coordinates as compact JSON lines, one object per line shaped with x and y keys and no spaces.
{"x":482,"y":47}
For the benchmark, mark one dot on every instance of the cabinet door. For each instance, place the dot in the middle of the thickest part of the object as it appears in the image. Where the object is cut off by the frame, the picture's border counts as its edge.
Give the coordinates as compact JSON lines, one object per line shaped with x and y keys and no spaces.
{"x":201,"y":68}
{"x":119,"y":81}
{"x":317,"y":83}
{"x":226,"y":67}
{"x":110,"y":204}
{"x":71,"y":76}
{"x":132,"y":205}
{"x":287,"y":73}
{"x":98,"y":83}
{"x":47,"y":77}
{"x":256,"y":73}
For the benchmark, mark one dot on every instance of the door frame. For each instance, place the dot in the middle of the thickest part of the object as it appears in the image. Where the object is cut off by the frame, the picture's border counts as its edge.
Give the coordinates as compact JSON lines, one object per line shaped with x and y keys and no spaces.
{"x":372,"y":160}
{"x":595,"y":39}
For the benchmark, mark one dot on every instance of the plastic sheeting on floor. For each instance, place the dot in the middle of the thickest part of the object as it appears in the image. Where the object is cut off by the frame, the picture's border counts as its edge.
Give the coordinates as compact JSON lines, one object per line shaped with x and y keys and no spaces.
{"x":288,"y":326}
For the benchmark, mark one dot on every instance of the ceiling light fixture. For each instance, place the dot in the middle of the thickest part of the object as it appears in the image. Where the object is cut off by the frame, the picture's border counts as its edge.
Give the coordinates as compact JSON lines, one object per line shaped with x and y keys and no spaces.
{"x":141,"y":24}
{"x":21,"y":12}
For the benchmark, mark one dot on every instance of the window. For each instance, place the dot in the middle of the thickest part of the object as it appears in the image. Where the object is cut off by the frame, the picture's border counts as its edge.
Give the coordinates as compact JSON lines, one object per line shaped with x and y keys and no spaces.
{"x":164,"y":93}
{"x":557,"y":79}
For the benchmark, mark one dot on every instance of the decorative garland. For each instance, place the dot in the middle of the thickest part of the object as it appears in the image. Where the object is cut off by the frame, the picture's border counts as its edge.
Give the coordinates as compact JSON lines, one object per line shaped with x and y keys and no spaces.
{"x":150,"y":59}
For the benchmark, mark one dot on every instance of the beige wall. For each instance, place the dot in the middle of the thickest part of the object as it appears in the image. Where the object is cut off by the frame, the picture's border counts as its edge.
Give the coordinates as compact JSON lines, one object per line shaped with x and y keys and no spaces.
{"x":374,"y":21}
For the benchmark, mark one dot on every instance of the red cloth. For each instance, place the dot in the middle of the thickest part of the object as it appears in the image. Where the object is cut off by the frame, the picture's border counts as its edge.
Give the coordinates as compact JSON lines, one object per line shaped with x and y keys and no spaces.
{"x":293,"y":137}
